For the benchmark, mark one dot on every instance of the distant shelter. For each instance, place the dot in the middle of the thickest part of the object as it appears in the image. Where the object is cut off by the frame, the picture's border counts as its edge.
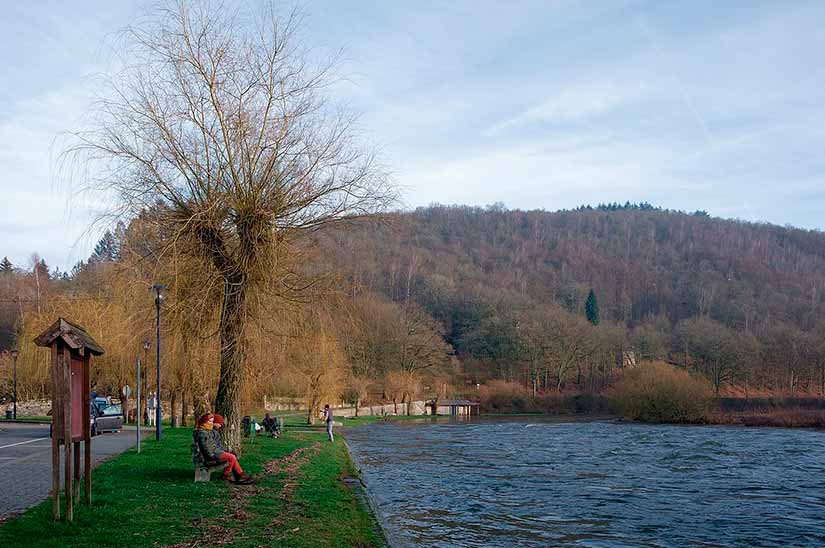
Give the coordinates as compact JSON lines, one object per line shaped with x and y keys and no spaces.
{"x":453,"y":407}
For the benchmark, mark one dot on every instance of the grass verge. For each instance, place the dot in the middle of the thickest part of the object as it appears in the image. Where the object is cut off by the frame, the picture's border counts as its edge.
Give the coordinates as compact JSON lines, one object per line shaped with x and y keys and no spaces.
{"x":28,"y":419}
{"x":149,"y":499}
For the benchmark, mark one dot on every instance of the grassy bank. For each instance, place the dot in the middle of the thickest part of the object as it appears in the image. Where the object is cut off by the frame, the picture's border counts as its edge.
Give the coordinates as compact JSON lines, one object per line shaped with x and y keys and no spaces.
{"x":150,"y":499}
{"x":784,"y":412}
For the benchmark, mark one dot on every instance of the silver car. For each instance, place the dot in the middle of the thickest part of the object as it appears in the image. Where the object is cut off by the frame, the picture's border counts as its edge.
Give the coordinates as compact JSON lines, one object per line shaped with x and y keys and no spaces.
{"x":106,"y":418}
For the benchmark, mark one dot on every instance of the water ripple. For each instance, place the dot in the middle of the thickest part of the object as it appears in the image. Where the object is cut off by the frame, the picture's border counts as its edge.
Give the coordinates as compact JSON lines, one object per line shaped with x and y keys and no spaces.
{"x":594,"y":484}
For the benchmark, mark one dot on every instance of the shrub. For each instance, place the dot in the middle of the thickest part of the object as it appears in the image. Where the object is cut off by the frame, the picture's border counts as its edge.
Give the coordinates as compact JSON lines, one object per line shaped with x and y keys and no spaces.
{"x":658,"y":392}
{"x":509,"y":397}
{"x":505,"y":397}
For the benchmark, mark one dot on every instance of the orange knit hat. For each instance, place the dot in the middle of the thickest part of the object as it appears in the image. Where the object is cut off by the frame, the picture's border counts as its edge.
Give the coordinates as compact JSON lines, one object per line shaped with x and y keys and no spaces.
{"x":218,"y":419}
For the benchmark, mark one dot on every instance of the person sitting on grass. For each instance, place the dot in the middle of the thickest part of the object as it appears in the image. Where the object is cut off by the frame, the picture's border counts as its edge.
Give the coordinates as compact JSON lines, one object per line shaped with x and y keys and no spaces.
{"x":271,"y":426}
{"x":211,"y":452}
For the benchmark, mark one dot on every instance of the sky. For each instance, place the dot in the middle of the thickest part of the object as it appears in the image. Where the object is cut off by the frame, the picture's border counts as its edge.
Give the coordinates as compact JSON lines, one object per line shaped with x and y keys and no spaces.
{"x":718,"y":106}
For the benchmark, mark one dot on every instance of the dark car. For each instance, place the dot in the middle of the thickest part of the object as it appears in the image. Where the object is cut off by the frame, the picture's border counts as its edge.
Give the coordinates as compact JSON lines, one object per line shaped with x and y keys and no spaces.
{"x":107,"y":416}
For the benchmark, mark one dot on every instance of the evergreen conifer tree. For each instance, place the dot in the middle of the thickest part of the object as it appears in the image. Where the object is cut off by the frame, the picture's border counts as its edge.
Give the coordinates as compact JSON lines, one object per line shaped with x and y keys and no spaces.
{"x":591,"y":308}
{"x":107,"y":249}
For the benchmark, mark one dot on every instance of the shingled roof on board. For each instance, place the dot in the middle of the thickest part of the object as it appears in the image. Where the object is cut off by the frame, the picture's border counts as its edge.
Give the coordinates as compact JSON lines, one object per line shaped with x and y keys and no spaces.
{"x":72,"y":334}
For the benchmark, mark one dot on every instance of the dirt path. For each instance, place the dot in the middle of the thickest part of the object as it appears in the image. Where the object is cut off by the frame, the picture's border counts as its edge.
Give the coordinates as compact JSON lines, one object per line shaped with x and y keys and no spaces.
{"x":217,"y":532}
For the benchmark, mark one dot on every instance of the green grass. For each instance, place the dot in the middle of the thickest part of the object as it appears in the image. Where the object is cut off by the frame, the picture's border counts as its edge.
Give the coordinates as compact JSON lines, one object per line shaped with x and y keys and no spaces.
{"x":28,"y":419}
{"x":324,"y":510}
{"x":149,"y":499}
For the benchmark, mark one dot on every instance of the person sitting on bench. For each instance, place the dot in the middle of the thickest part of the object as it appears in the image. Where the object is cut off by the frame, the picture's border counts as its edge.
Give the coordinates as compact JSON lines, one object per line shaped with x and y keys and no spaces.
{"x":211,"y":452}
{"x":271,"y":426}
{"x":216,"y":434}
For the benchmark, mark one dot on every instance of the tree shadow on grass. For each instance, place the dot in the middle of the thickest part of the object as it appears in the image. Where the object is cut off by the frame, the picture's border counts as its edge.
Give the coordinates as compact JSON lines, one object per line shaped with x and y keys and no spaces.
{"x":171,"y":474}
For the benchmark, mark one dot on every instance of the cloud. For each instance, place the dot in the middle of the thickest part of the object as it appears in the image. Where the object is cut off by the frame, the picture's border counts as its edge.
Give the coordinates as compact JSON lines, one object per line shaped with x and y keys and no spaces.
{"x":41,"y":211}
{"x":709,"y":106}
{"x":575,"y":104}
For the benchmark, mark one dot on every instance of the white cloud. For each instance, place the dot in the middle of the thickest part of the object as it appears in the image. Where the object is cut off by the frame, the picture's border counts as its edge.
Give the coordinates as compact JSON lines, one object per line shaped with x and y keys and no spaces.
{"x":576,"y":103}
{"x":40,"y":212}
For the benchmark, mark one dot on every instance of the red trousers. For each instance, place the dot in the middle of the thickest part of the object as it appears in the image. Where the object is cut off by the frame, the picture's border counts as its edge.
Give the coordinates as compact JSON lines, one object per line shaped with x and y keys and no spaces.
{"x":232,"y":465}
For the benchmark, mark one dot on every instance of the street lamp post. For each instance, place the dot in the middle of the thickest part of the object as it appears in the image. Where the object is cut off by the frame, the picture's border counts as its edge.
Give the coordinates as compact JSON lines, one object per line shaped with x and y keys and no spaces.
{"x":14,"y":394}
{"x":137,"y":399}
{"x":158,"y":288}
{"x":146,"y":345}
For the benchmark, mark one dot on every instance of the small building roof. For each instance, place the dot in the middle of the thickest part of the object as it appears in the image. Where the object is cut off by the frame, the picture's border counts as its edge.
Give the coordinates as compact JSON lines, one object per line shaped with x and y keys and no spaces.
{"x":72,"y":334}
{"x":453,"y":402}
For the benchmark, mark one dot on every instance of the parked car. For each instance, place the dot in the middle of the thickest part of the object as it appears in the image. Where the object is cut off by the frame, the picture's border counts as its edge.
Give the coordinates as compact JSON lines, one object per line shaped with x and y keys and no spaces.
{"x":108,"y":416}
{"x":104,"y":416}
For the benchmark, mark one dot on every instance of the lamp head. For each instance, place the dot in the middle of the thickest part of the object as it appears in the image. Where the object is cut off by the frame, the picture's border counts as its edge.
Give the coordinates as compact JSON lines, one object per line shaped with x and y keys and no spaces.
{"x":14,"y":353}
{"x":146,"y":344}
{"x":159,"y":289}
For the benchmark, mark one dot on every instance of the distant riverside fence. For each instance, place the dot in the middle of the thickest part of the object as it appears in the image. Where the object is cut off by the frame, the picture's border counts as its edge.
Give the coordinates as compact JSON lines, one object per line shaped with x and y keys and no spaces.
{"x":298,"y":405}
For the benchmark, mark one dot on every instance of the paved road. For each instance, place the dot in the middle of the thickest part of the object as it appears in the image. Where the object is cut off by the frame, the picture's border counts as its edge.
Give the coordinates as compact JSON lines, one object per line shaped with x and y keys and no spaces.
{"x":26,"y":462}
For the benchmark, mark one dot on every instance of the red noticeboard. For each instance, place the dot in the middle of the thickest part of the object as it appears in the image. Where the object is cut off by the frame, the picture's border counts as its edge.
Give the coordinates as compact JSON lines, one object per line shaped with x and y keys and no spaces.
{"x":78,"y":389}
{"x":71,"y":349}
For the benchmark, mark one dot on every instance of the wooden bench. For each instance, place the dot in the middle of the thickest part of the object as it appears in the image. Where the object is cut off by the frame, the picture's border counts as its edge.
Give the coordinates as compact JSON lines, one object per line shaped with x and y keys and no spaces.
{"x":204,"y":469}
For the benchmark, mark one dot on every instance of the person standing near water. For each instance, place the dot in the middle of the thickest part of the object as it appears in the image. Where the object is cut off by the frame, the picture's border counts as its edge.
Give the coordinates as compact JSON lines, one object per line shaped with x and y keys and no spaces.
{"x":328,"y":420}
{"x":153,"y":405}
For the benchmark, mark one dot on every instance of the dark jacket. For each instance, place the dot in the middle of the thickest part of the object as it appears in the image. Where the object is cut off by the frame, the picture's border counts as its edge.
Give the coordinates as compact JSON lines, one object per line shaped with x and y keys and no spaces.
{"x":216,"y":436}
{"x":270,"y":424}
{"x":206,"y":444}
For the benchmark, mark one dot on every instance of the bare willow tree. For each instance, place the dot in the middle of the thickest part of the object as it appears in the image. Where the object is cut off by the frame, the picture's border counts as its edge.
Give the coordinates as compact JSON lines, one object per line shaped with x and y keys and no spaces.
{"x":218,"y":121}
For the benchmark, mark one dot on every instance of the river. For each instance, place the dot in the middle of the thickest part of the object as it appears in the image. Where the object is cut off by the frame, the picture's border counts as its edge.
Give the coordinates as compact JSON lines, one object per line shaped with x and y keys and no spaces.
{"x":532,"y":482}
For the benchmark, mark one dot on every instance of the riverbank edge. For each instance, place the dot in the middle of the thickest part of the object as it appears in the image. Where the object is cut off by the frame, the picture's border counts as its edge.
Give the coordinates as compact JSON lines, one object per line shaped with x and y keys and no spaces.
{"x":360,"y":490}
{"x":778,"y":417}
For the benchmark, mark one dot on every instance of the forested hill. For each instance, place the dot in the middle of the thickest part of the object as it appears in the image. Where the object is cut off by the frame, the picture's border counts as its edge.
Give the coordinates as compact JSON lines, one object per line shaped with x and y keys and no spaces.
{"x":649,"y":269}
{"x":458,"y":296}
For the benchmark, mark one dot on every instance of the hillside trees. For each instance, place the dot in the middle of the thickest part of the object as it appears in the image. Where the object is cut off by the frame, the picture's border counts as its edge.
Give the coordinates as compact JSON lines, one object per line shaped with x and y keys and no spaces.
{"x":478,"y":271}
{"x":649,"y":342}
{"x":721,"y":353}
{"x":217,"y":122}
{"x":400,"y":344}
{"x":463,"y":295}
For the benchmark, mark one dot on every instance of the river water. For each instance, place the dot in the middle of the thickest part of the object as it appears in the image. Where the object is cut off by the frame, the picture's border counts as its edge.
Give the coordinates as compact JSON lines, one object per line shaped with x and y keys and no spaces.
{"x":533,"y":482}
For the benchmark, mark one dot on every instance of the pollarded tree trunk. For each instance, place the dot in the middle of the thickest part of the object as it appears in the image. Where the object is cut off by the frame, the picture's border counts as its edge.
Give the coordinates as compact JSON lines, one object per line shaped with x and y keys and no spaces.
{"x":183,"y":408}
{"x":228,"y":398}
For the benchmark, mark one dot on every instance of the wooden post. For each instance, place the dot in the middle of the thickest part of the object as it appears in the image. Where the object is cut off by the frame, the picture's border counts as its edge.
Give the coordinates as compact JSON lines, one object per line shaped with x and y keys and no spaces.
{"x":76,"y":482}
{"x":57,"y":427}
{"x":87,"y":435}
{"x":67,"y":431}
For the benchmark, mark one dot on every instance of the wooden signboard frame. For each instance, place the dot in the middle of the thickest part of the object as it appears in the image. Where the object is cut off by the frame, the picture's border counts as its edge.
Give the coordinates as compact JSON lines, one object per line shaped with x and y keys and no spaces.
{"x":71,"y":350}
